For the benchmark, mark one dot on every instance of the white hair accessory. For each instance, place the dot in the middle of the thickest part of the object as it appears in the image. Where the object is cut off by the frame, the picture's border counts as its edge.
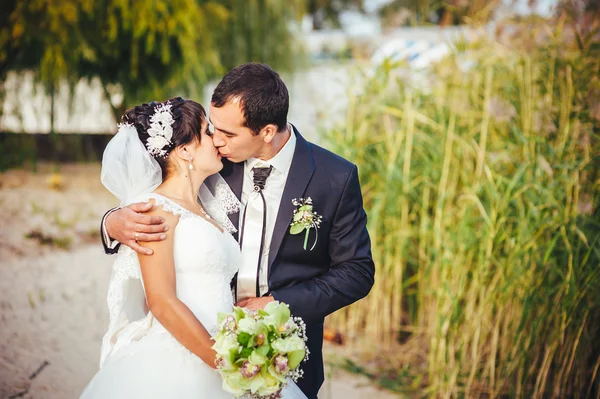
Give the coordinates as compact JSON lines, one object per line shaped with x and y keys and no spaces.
{"x":160,"y":131}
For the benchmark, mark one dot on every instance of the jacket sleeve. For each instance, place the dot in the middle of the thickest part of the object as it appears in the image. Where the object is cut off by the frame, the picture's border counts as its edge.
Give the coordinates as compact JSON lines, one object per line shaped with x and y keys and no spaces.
{"x":110,"y":246}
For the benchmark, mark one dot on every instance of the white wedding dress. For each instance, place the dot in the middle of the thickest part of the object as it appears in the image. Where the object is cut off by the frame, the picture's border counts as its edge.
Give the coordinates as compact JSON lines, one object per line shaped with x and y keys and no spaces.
{"x":140,"y":358}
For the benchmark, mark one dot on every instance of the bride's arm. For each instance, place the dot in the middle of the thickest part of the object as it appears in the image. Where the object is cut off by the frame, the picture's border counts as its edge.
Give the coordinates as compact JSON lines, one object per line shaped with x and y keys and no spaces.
{"x":158,"y":273}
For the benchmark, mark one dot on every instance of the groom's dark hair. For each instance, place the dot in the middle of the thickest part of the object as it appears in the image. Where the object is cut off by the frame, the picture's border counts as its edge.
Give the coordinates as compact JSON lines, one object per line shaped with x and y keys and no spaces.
{"x":263,"y":97}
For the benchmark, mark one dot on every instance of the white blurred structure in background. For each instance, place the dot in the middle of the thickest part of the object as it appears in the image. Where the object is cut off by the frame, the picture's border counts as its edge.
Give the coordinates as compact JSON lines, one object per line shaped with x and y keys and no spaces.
{"x":318,"y":94}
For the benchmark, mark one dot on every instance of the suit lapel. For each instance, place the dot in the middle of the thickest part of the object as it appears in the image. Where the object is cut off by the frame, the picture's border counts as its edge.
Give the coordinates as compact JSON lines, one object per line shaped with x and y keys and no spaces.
{"x":233,"y":173}
{"x":299,"y":176}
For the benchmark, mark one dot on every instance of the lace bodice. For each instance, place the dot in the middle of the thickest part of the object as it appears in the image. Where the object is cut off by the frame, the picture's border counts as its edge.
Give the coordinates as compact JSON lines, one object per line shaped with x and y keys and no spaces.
{"x":205,"y":261}
{"x":199,"y":245}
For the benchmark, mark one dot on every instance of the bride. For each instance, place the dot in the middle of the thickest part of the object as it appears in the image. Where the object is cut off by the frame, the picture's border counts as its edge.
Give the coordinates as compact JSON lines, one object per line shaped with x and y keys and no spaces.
{"x":163,"y":307}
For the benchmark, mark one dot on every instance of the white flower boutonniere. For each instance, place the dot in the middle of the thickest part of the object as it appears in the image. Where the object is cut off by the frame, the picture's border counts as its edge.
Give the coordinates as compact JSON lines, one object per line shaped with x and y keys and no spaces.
{"x":305,"y":219}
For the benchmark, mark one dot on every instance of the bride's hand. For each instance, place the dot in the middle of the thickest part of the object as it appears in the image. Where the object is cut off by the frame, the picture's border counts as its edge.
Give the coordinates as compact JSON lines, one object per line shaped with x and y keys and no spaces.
{"x":255,"y":303}
{"x":129,"y":225}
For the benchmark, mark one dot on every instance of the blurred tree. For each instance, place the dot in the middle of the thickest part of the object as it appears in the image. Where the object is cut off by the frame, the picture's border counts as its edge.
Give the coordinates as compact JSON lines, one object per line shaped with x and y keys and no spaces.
{"x":259,"y":31}
{"x":327,"y":12}
{"x":576,"y":8}
{"x":142,"y":49}
{"x":441,"y":12}
{"x":420,"y":11}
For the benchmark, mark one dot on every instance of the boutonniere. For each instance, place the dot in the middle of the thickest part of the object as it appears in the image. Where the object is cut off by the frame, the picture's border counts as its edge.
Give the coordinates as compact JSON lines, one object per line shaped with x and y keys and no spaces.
{"x":305,"y":219}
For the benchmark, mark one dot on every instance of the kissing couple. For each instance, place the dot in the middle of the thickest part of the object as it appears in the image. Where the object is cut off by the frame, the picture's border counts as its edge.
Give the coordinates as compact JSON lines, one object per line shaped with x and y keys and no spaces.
{"x":233,"y":210}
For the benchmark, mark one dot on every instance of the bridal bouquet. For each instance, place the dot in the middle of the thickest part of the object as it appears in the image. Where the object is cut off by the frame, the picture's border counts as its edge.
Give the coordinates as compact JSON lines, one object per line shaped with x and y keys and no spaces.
{"x":258,"y":351}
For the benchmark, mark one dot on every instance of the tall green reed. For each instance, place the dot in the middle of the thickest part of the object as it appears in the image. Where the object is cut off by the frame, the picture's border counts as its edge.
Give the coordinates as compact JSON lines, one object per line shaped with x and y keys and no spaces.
{"x":482,"y":191}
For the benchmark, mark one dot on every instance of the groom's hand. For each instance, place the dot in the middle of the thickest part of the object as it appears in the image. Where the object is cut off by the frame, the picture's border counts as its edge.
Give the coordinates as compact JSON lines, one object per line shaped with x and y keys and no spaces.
{"x":129,"y":225}
{"x":255,"y":303}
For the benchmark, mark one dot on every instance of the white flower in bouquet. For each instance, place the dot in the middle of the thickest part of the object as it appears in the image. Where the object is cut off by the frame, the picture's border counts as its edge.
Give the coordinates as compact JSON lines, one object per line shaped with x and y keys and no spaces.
{"x":248,"y":325}
{"x":270,"y":386}
{"x":235,"y":383}
{"x":288,"y":345}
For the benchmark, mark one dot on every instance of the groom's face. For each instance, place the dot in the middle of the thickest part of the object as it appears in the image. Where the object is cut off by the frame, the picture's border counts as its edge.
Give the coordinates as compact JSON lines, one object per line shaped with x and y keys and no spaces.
{"x":234,"y":141}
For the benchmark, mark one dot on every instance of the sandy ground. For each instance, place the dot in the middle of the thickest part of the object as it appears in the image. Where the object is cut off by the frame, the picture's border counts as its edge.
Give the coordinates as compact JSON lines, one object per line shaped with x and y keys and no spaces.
{"x":53,"y":287}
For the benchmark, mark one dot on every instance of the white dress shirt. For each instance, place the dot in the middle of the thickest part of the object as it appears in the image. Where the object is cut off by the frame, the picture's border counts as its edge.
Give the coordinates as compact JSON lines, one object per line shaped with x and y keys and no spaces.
{"x":273,"y":192}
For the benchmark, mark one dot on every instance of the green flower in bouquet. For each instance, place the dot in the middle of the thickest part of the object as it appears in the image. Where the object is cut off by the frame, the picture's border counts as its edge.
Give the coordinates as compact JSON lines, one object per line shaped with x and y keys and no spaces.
{"x":270,"y":386}
{"x":229,"y":348}
{"x":235,"y":383}
{"x":293,"y":347}
{"x":258,"y":351}
{"x":277,"y":316}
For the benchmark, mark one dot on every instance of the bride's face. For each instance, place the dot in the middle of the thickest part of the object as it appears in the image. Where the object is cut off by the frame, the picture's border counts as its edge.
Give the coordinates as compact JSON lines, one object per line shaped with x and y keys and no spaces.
{"x":207,"y":160}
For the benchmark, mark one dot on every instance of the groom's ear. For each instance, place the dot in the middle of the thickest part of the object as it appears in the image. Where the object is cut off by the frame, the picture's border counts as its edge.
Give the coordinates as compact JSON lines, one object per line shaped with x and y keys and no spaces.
{"x":268,"y":132}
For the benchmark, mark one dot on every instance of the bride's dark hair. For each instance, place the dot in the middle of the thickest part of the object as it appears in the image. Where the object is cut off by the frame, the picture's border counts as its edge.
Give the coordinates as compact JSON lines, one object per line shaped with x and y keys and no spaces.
{"x":188,"y":116}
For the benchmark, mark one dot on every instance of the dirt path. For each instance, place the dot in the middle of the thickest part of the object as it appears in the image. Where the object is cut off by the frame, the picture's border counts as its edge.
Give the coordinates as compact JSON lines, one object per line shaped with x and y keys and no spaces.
{"x":52,"y":301}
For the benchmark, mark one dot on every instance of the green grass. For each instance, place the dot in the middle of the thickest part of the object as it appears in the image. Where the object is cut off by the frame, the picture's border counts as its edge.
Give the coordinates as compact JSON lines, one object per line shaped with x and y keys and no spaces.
{"x":482,"y":193}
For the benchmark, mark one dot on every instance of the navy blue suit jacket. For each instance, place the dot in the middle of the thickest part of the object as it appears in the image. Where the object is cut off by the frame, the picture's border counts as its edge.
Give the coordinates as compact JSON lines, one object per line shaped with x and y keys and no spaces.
{"x":340,"y":269}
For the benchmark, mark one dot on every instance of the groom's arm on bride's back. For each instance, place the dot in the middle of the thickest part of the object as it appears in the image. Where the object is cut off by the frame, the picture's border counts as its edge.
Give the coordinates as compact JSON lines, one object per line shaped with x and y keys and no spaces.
{"x":120,"y":225}
{"x":352,"y":271}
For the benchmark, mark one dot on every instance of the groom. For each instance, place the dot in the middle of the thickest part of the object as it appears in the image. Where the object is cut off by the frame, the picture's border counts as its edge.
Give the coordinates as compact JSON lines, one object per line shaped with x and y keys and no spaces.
{"x":269,"y":165}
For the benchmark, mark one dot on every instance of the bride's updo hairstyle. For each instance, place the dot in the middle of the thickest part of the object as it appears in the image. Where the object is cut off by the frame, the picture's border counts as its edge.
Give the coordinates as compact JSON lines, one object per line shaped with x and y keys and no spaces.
{"x":188,"y":116}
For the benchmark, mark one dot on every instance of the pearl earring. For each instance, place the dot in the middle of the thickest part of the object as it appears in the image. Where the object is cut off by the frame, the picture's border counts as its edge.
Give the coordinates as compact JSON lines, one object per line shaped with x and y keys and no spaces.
{"x":191,"y":166}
